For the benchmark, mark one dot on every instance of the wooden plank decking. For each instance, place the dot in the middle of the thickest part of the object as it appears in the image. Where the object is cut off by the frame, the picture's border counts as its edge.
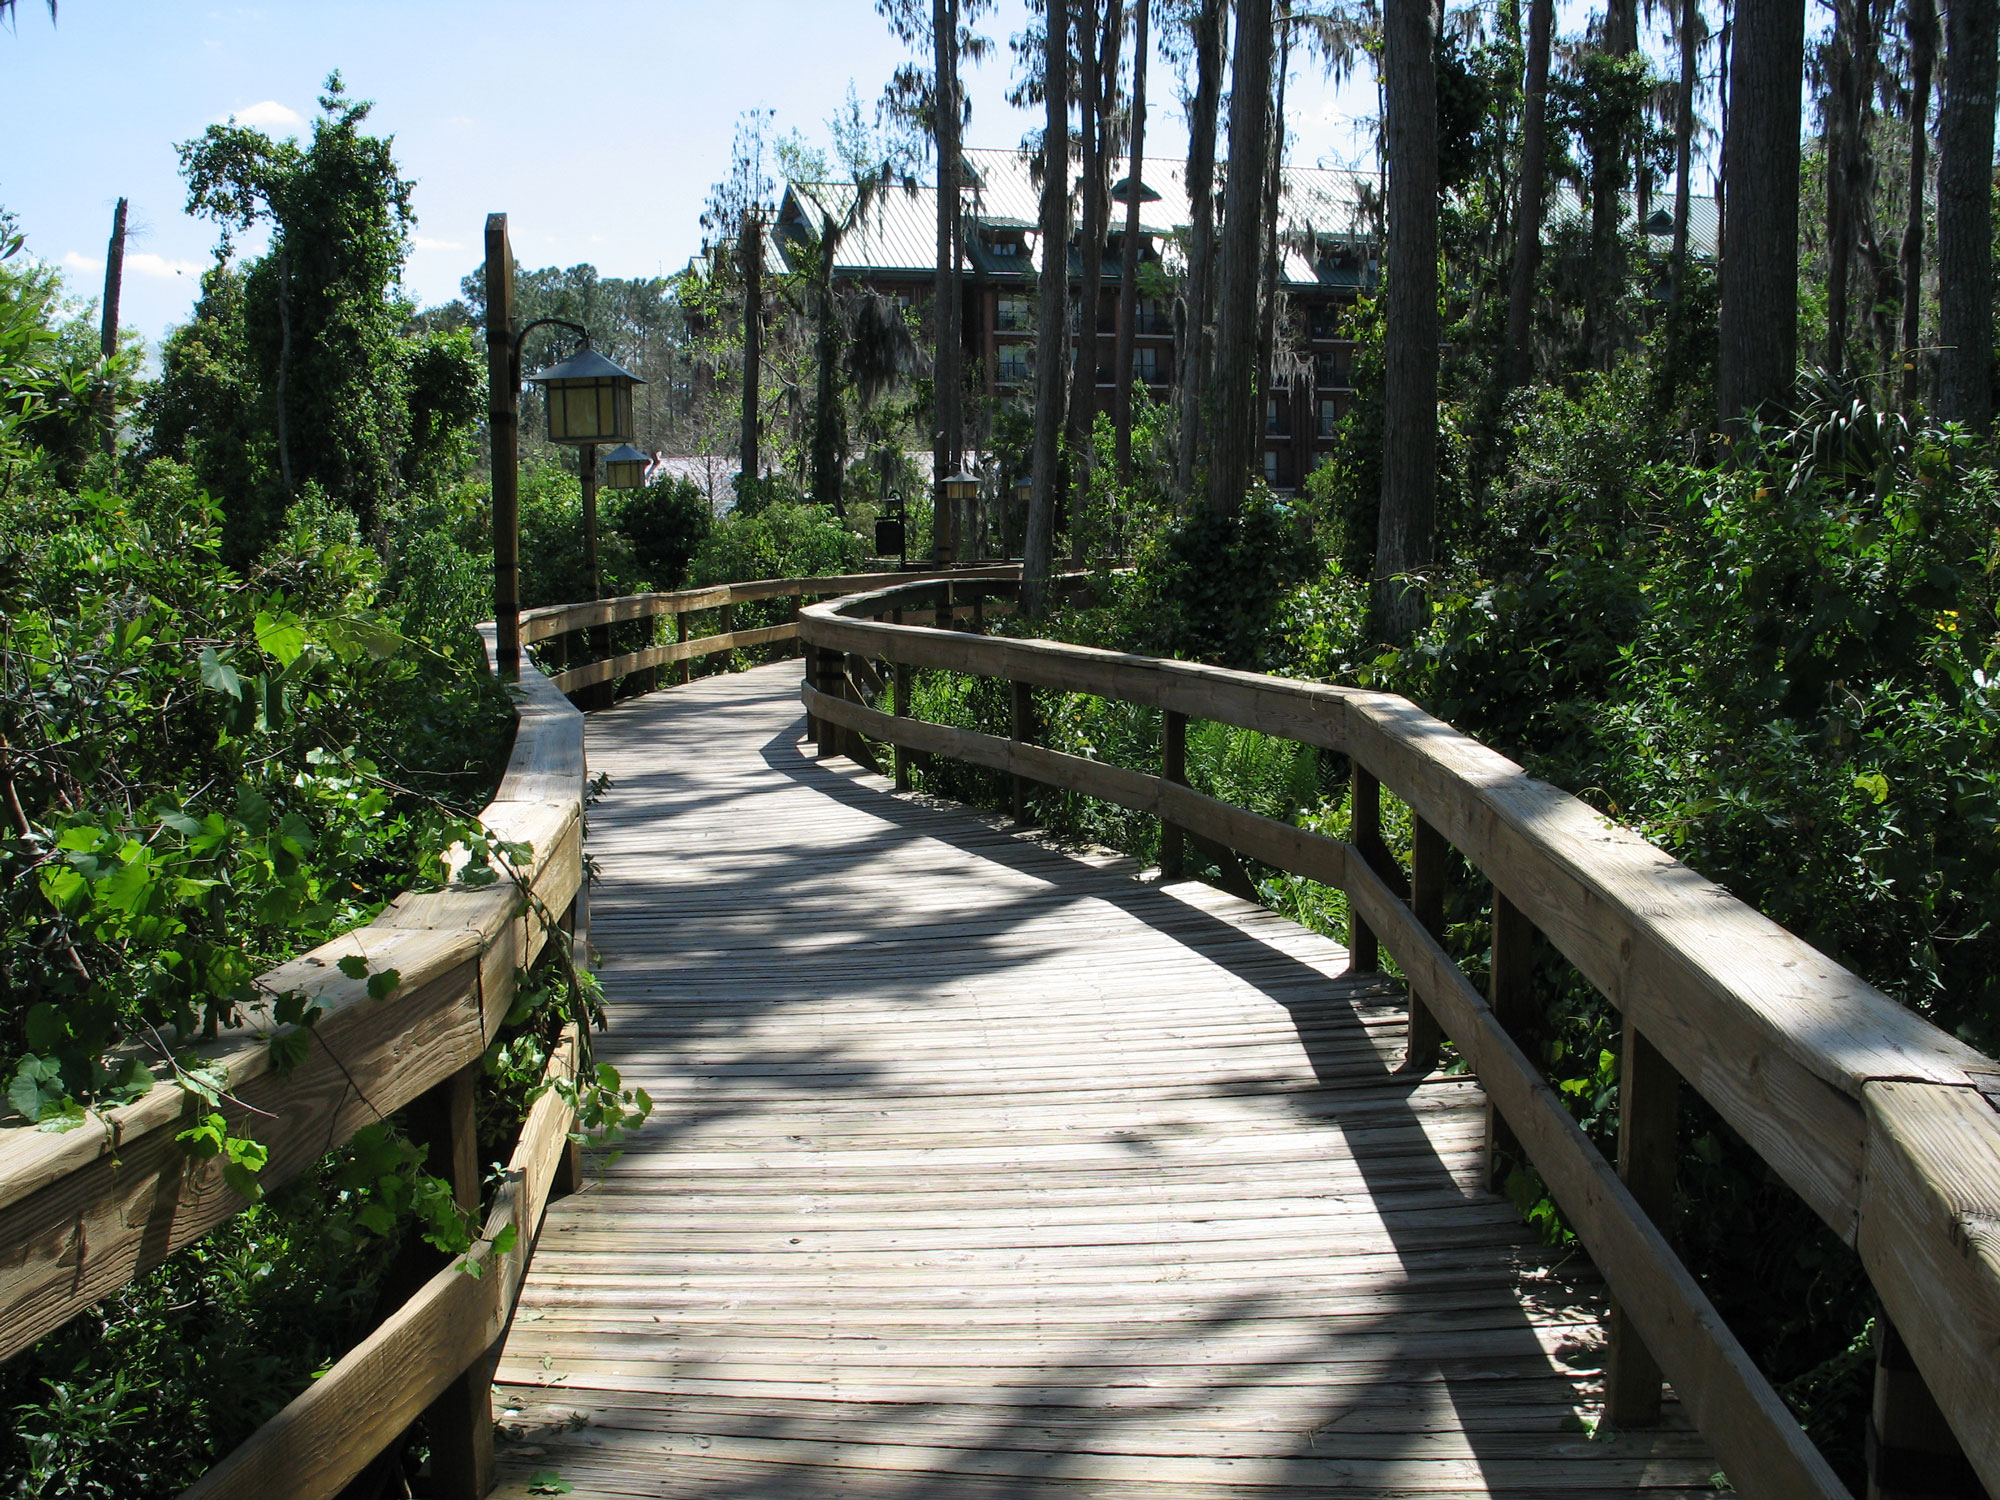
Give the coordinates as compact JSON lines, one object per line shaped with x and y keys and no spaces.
{"x":980,"y":1170}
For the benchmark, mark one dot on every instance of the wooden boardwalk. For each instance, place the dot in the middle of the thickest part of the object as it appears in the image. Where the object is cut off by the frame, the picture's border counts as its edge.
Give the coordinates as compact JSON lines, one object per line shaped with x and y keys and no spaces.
{"x":983,"y":1170}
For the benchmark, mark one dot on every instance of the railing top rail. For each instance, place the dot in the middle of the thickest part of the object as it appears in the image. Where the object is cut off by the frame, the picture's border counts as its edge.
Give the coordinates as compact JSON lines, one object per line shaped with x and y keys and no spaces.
{"x":1886,"y":1125}
{"x":556,"y":619}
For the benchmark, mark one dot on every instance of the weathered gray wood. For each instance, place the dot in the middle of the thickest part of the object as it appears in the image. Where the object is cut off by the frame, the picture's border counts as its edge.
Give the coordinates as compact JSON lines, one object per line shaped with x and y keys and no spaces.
{"x":327,"y":1435}
{"x":977,"y":1170}
{"x":1759,"y":1443}
{"x":1173,"y":767}
{"x":1648,"y":1115}
{"x":1428,"y":856}
{"x":88,"y":1210}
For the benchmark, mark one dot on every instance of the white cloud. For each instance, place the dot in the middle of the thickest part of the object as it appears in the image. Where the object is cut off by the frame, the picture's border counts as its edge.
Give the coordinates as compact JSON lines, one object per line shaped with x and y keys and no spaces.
{"x":425,"y":242}
{"x":146,"y":263}
{"x":75,"y":262}
{"x":268,"y":115}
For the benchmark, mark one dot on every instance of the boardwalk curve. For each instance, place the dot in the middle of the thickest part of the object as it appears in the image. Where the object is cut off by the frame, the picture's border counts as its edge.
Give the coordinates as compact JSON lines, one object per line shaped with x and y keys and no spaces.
{"x":979,"y":1169}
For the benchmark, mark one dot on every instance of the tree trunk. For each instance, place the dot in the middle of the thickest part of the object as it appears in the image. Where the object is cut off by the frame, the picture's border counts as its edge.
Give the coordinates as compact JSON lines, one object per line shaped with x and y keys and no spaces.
{"x":1197,"y":342}
{"x":284,"y":368}
{"x":1965,"y":215}
{"x":1690,"y":25}
{"x":1097,"y":46}
{"x":752,"y":243}
{"x":107,"y":338}
{"x":1232,"y":450}
{"x":1267,"y":281}
{"x":1922,"y":16}
{"x":1534,"y":185}
{"x":946,"y":440}
{"x":1410,"y":335}
{"x":1128,"y":263}
{"x":1608,"y":164}
{"x":1037,"y":548}
{"x":826,"y":410}
{"x":1851,"y":74}
{"x":1757,"y":353}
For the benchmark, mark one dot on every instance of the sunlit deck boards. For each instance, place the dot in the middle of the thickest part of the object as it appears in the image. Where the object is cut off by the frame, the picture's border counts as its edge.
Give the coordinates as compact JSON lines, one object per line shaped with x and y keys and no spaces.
{"x":979,"y":1171}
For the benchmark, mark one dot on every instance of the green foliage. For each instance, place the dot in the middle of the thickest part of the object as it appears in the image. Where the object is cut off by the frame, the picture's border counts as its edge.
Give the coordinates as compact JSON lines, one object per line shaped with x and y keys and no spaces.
{"x":1208,"y":586}
{"x":299,"y":368}
{"x":207,"y":774}
{"x":780,"y":540}
{"x":665,"y":524}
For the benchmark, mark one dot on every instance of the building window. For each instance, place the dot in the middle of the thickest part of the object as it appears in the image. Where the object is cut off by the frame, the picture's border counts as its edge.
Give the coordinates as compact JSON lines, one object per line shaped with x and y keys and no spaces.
{"x":1012,"y":314}
{"x":1013,"y":366}
{"x":1149,"y":364}
{"x":1327,"y":371}
{"x":1277,"y":417}
{"x":1325,"y":321}
{"x":1271,"y":466}
{"x":1329,"y":416}
{"x":1151,"y":318}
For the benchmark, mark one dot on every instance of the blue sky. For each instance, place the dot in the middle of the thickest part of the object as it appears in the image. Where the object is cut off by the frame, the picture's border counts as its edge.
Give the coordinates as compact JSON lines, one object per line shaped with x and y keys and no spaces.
{"x":597,"y":125}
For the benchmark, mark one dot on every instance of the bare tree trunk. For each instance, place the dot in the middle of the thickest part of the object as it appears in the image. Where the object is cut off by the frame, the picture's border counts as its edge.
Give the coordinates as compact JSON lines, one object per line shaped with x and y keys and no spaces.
{"x":1965,"y":214}
{"x":1851,"y":74}
{"x":1267,"y":281}
{"x":1757,"y":354}
{"x":1037,"y":547}
{"x":826,"y":415}
{"x":946,"y":439}
{"x":1232,"y":450}
{"x":1534,"y":185}
{"x":1196,"y":342}
{"x":107,"y":338}
{"x":1098,"y":47}
{"x":1128,"y":262}
{"x":1922,"y":16}
{"x":1410,"y":335}
{"x":1608,"y":167}
{"x":752,"y":243}
{"x":1690,"y":40}
{"x":284,"y":368}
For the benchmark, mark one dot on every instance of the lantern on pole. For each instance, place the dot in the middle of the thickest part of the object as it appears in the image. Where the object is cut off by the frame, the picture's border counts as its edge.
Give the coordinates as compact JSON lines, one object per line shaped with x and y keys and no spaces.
{"x":960,"y":490}
{"x":589,"y":399}
{"x":625,"y":468}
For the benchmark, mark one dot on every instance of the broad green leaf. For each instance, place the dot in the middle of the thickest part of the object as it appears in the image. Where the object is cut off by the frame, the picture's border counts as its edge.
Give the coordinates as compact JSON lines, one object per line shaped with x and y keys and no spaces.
{"x":354,"y":966}
{"x":218,"y":675}
{"x":384,"y":983}
{"x":281,"y":636}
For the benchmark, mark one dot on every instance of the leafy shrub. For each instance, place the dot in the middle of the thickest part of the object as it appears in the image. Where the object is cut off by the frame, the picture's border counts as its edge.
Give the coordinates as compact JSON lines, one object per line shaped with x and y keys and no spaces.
{"x":781,"y":540}
{"x":664,"y":524}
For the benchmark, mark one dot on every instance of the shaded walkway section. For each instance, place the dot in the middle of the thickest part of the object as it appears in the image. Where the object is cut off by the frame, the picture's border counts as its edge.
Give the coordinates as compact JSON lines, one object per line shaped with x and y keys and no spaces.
{"x":980,"y":1169}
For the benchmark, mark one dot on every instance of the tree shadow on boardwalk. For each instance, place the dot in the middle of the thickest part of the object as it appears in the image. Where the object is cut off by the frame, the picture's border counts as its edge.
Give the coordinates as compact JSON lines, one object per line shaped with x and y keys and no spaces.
{"x":1424,"y":1364}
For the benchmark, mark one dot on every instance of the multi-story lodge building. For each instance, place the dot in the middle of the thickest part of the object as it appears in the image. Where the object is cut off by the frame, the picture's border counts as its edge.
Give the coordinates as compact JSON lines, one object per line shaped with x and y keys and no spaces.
{"x":1326,"y":248}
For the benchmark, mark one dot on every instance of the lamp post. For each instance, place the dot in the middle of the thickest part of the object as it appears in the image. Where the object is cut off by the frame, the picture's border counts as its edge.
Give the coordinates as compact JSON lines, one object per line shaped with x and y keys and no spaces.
{"x":589,"y":401}
{"x":1024,"y":492}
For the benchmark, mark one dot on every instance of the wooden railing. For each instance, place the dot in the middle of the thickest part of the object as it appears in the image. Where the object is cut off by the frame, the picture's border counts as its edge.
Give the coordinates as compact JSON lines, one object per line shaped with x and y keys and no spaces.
{"x":1888,"y":1127}
{"x":552,"y":625}
{"x":84,"y":1212}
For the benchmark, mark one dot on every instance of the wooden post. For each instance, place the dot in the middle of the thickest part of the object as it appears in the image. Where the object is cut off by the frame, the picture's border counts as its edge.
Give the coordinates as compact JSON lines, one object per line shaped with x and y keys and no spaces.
{"x":503,"y":395}
{"x":599,"y":638}
{"x":1648,"y":1115}
{"x":1428,"y":855}
{"x":681,"y":635}
{"x":817,"y":727}
{"x":1021,"y":703}
{"x":1364,"y":833}
{"x":1912,"y":1453}
{"x":1511,"y":992}
{"x":1173,"y":767}
{"x":727,"y":625}
{"x":900,"y":706}
{"x":979,"y":611}
{"x":460,"y":1421}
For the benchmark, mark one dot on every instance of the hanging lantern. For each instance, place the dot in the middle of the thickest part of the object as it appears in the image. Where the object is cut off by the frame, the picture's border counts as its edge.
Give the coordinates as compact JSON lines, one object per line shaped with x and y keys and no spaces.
{"x":625,"y":468}
{"x":961,"y":486}
{"x":589,"y":399}
{"x":1024,"y":490}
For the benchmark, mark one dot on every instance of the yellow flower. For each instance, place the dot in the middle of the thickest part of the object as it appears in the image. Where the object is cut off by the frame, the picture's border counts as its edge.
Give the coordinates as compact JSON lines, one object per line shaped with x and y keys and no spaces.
{"x":1948,"y":622}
